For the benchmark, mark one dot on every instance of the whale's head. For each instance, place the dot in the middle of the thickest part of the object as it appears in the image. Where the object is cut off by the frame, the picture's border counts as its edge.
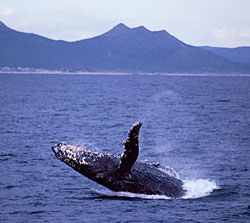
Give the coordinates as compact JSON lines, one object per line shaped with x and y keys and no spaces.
{"x":78,"y":158}
{"x":94,"y":165}
{"x":68,"y":153}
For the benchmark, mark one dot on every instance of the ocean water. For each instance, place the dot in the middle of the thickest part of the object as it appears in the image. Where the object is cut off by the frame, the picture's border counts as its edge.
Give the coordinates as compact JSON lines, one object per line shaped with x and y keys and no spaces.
{"x":200,"y":126}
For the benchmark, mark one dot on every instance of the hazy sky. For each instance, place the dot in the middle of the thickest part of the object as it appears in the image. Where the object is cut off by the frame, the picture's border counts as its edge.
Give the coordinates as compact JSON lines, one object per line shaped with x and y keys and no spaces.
{"x":197,"y":22}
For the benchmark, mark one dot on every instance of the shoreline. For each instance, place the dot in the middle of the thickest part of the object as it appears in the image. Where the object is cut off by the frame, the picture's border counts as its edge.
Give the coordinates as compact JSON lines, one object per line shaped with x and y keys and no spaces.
{"x":108,"y":73}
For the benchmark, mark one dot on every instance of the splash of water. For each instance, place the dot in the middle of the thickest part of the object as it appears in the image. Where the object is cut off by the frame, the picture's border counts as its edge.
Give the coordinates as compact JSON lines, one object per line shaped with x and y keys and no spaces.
{"x":199,"y":188}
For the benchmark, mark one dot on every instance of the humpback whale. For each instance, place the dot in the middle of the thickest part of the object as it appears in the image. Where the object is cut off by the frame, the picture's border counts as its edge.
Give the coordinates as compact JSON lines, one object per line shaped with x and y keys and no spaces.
{"x":122,"y":173}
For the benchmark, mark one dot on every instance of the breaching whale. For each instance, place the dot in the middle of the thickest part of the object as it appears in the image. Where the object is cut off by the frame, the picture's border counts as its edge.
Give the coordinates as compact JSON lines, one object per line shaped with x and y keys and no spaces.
{"x":122,"y":173}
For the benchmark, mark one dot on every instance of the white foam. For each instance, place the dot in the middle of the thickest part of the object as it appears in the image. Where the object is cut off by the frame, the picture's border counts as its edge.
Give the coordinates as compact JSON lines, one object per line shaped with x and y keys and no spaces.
{"x":130,"y":195}
{"x":198,"y":188}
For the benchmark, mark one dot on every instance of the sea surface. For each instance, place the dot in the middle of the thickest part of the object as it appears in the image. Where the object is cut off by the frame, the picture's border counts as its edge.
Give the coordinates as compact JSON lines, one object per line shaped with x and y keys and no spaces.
{"x":200,"y":126}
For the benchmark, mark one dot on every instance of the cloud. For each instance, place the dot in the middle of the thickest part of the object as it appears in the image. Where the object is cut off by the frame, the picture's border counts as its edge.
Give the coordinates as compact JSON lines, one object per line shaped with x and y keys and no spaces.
{"x":7,"y":11}
{"x":231,"y":33}
{"x":232,"y":36}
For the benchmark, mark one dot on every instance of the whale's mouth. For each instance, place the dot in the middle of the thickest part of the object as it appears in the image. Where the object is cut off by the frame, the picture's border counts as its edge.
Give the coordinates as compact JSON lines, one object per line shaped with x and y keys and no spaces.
{"x":74,"y":148}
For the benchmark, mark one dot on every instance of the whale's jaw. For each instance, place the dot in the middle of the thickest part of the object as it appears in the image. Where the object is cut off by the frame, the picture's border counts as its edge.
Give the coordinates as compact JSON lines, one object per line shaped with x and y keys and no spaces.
{"x":74,"y":156}
{"x":58,"y":147}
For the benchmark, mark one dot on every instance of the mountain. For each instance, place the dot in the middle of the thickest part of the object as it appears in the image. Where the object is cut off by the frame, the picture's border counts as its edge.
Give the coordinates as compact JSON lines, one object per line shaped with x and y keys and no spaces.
{"x":18,"y":49}
{"x":238,"y":54}
{"x":121,"y":49}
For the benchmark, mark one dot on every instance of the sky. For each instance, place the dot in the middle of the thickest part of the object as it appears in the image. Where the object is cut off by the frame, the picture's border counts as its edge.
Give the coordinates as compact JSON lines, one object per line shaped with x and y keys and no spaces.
{"x":222,"y":23}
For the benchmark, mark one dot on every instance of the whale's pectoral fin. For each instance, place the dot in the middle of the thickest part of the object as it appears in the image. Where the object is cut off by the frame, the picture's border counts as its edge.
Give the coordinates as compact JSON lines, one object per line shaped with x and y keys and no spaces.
{"x":130,"y":150}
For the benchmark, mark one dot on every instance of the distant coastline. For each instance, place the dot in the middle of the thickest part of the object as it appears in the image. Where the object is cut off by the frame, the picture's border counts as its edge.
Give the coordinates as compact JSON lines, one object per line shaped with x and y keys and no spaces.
{"x":111,"y":73}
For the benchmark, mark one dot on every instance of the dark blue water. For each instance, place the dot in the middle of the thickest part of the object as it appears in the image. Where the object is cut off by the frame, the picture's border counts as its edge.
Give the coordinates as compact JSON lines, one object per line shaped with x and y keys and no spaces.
{"x":200,"y":126}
